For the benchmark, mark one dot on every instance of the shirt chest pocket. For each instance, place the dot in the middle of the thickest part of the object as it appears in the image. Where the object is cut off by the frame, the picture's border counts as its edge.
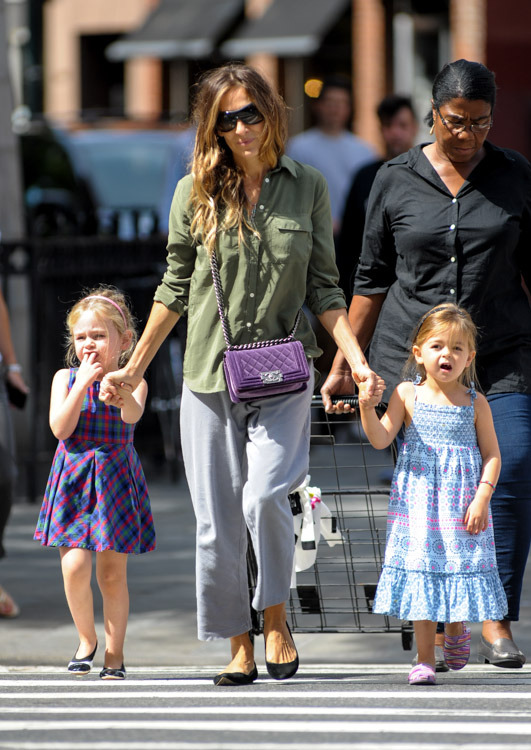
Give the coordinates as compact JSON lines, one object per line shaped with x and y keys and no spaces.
{"x":290,"y":240}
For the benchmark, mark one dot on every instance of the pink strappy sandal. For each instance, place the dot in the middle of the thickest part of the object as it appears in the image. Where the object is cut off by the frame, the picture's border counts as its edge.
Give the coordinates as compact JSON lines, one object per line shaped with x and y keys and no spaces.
{"x":457,"y":649}
{"x":422,"y":674}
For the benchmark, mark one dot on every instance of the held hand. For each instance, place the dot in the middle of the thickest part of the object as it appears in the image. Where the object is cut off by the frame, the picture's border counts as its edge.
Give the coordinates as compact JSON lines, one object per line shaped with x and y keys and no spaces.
{"x":373,"y":384}
{"x":113,"y":399}
{"x":117,"y":385}
{"x":366,"y":401}
{"x":338,"y":383}
{"x":89,"y":370}
{"x":477,"y":516}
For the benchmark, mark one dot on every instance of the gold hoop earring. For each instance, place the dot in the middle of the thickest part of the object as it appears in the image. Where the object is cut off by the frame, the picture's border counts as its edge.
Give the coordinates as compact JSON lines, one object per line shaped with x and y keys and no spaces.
{"x":432,"y":129}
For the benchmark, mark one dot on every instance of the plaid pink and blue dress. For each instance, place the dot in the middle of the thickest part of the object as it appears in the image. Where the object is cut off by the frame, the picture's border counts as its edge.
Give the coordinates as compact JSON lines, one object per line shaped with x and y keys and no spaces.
{"x":434,"y":569}
{"x":96,"y":497}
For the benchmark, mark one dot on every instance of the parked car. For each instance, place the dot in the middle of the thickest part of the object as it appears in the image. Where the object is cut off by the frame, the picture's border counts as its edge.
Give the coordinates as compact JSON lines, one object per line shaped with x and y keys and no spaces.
{"x":132,"y":175}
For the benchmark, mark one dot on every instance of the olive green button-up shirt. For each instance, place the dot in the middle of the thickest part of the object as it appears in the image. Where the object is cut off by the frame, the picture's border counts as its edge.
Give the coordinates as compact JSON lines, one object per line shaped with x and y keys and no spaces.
{"x":288,"y":261}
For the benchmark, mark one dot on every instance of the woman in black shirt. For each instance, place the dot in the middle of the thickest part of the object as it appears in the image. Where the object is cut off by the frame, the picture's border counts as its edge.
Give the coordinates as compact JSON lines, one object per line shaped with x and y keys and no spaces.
{"x":451,"y":221}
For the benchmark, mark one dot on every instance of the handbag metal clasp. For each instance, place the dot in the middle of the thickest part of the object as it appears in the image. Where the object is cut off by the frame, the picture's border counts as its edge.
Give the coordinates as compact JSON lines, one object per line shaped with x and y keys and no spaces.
{"x":272,"y":376}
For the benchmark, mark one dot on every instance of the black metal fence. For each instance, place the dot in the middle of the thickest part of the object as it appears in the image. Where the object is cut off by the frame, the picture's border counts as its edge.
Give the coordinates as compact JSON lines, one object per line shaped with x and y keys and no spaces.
{"x":57,"y":271}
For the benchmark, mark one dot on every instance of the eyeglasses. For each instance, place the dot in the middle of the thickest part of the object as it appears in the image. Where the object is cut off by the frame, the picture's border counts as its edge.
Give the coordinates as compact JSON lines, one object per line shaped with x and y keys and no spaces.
{"x":249,"y":115}
{"x":458,"y":127}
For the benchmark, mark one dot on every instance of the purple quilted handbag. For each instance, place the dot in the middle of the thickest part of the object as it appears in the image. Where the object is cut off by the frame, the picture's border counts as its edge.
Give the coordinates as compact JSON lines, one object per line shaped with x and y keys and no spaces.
{"x":266,"y":368}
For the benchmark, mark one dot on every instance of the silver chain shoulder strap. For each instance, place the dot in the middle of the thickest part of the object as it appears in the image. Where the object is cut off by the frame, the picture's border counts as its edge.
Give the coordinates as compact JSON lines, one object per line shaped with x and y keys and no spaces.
{"x":225,"y":323}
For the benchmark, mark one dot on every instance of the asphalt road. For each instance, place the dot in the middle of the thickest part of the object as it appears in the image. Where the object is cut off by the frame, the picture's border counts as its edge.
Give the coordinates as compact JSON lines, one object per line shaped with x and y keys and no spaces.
{"x":351,"y":689}
{"x":322,"y":708}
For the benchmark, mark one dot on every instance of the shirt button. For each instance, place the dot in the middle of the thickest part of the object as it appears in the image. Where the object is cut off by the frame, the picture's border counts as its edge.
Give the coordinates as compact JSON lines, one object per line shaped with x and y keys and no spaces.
{"x":251,"y":294}
{"x":267,"y":179}
{"x":261,"y":207}
{"x":248,"y":325}
{"x":454,"y":200}
{"x":452,"y":259}
{"x":452,"y":291}
{"x":452,"y":226}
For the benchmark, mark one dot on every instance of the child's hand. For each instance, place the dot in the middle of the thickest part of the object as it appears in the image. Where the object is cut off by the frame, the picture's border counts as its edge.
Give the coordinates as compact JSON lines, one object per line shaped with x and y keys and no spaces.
{"x":477,"y":516}
{"x":115,"y":395}
{"x":89,"y":370}
{"x":113,"y":400}
{"x":365,"y":401}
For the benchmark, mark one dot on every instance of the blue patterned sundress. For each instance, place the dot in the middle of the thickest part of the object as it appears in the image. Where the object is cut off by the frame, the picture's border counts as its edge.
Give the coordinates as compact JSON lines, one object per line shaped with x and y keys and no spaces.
{"x":434,"y":569}
{"x":96,"y":497}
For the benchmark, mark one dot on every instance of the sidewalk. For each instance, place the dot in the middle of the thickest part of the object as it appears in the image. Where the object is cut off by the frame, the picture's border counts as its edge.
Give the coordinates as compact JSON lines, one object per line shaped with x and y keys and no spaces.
{"x":162,"y":626}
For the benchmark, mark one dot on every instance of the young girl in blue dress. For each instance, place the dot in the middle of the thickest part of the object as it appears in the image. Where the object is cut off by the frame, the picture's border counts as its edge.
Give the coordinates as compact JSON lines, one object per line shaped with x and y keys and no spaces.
{"x":440,"y":563}
{"x":96,"y":499}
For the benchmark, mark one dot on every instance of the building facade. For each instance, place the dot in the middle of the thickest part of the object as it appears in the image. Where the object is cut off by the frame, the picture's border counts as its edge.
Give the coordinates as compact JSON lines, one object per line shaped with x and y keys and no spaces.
{"x":139,"y":58}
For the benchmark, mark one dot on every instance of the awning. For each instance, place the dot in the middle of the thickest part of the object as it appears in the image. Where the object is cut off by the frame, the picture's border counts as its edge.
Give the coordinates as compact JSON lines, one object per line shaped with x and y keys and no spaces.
{"x":187,"y":29}
{"x":288,"y":28}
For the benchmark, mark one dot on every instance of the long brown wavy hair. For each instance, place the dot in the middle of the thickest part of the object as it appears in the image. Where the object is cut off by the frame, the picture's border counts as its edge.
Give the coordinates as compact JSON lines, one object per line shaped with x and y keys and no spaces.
{"x":218,"y":198}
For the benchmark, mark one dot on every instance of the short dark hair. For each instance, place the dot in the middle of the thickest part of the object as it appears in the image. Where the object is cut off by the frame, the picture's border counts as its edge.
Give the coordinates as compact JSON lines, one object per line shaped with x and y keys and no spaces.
{"x":463,"y":79}
{"x":336,"y":82}
{"x":392,"y":104}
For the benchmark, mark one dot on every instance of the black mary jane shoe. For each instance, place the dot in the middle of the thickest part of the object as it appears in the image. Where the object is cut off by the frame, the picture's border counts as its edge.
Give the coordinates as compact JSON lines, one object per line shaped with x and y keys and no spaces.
{"x":107,"y":673}
{"x":283,"y":671}
{"x":84,"y":665}
{"x":502,"y":653}
{"x":235,"y":679}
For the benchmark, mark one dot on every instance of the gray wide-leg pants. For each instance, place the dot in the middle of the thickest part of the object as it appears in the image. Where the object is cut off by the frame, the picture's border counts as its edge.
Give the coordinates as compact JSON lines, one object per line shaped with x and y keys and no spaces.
{"x":241,"y":462}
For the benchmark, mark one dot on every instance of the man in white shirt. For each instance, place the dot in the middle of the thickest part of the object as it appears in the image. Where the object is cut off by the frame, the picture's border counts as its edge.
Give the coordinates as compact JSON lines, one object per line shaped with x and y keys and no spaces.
{"x":330,"y":147}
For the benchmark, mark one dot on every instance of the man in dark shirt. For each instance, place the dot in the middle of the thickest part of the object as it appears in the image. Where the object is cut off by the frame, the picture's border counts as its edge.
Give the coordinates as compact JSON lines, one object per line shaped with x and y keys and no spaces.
{"x":399,"y":128}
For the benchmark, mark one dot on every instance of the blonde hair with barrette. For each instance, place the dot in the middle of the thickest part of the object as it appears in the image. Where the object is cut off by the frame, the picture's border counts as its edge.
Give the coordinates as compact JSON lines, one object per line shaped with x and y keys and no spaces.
{"x":109,"y":304}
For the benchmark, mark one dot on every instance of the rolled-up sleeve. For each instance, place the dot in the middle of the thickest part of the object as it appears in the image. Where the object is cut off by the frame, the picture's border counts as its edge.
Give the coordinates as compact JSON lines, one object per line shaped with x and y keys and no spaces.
{"x":174,"y":289}
{"x":322,"y":291}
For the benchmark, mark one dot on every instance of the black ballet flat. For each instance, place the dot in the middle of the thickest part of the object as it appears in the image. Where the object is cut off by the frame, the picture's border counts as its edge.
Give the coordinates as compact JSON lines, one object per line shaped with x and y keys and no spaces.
{"x":84,"y":665}
{"x":283,"y":671}
{"x":235,"y":679}
{"x":107,"y":673}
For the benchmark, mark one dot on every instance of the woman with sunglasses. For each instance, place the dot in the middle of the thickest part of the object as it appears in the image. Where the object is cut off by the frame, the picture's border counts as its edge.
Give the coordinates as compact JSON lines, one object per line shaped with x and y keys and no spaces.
{"x":450,"y":221}
{"x":267,"y":219}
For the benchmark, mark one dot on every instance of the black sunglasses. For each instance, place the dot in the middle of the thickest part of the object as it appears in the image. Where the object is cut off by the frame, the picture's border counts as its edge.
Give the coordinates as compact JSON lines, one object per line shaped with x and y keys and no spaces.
{"x":249,"y":115}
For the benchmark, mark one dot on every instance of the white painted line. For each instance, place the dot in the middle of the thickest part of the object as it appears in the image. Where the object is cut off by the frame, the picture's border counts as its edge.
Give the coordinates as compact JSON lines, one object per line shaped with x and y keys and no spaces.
{"x":350,"y":669}
{"x":255,"y":745}
{"x":282,"y":727}
{"x":219,"y":694}
{"x":264,"y":711}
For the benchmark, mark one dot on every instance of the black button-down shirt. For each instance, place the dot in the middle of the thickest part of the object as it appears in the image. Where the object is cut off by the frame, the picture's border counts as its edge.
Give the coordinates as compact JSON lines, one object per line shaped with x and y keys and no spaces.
{"x":423,"y":246}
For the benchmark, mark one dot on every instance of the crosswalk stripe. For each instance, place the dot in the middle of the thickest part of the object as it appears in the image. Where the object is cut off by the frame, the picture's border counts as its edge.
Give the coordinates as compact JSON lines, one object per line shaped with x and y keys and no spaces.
{"x":262,"y":710}
{"x":255,"y":745}
{"x":123,"y":691}
{"x":280,"y":727}
{"x":313,"y":669}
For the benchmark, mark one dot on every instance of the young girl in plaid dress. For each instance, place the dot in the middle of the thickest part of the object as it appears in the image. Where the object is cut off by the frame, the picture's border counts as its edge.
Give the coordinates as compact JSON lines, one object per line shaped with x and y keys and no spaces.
{"x":96,"y":499}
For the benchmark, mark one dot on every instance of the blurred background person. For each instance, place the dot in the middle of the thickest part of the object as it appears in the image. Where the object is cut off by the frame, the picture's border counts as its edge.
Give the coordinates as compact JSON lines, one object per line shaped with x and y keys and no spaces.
{"x":337,"y":153}
{"x":329,"y":146}
{"x":399,"y":128}
{"x":11,"y":379}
